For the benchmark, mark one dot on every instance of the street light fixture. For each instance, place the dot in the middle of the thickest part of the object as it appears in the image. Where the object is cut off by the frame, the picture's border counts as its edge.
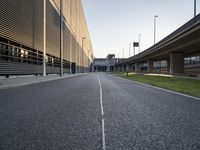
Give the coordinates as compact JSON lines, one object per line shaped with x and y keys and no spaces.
{"x":83,"y":38}
{"x":155,"y":28}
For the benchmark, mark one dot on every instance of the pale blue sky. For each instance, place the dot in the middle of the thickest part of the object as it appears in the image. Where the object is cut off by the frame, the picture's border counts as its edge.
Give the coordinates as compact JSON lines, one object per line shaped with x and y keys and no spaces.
{"x":113,"y":24}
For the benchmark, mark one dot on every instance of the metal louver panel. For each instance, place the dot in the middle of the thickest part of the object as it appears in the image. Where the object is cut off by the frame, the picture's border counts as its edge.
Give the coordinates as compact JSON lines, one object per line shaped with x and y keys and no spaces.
{"x":38,"y":24}
{"x":17,"y":20}
{"x":53,"y":31}
{"x":66,"y":44}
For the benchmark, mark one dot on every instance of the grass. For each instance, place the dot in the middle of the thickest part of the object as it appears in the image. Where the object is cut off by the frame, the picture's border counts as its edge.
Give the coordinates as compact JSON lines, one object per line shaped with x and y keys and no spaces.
{"x":182,"y":85}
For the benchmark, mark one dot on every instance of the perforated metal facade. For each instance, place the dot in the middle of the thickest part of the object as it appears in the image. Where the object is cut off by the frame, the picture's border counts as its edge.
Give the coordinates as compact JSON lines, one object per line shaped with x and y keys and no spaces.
{"x":21,"y":36}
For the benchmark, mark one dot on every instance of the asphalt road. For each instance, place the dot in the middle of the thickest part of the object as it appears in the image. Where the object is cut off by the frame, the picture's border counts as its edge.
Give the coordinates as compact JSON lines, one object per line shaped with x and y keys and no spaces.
{"x":67,"y":114}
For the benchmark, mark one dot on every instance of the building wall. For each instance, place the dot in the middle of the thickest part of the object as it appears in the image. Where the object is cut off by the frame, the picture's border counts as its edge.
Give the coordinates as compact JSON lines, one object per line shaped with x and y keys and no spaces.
{"x":21,"y":22}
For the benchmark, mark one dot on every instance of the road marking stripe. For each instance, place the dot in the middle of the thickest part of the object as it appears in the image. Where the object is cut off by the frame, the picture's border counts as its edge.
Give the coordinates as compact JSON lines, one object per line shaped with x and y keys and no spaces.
{"x":185,"y":95}
{"x":102,"y":113}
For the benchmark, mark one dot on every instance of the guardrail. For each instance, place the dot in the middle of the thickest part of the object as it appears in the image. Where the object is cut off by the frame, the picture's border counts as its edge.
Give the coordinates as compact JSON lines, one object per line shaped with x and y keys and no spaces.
{"x":12,"y":54}
{"x":194,"y":21}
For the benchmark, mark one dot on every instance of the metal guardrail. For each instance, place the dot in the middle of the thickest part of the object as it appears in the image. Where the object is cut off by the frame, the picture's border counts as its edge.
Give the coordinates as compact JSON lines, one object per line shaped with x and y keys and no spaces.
{"x":12,"y":56}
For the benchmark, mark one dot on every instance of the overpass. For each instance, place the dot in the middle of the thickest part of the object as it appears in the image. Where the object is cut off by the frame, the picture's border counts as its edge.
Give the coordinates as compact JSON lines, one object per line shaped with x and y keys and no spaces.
{"x":183,"y":42}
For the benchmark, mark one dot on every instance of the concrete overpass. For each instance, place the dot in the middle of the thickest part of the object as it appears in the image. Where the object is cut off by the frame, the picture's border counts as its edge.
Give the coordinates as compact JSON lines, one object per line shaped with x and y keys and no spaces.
{"x":184,"y":42}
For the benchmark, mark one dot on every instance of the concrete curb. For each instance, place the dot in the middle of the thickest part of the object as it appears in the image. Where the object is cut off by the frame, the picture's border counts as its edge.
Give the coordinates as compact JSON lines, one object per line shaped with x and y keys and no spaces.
{"x":158,"y":88}
{"x":38,"y":81}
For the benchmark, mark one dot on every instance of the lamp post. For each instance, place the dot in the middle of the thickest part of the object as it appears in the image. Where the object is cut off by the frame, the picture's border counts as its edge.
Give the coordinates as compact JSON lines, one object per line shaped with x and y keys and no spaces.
{"x":155,"y":28}
{"x":133,"y":49}
{"x":83,"y":38}
{"x":61,"y":39}
{"x":123,"y":52}
{"x":130,"y":49}
{"x":88,"y":61}
{"x":195,"y":9}
{"x":44,"y":39}
{"x":139,"y":42}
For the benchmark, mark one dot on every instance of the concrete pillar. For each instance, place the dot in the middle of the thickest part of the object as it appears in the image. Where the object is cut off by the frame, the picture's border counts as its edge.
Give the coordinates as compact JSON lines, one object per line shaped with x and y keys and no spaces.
{"x":131,"y":67}
{"x":150,"y":65}
{"x":176,"y":63}
{"x":123,"y":68}
{"x":168,"y":66}
{"x":137,"y":67}
{"x":128,"y":68}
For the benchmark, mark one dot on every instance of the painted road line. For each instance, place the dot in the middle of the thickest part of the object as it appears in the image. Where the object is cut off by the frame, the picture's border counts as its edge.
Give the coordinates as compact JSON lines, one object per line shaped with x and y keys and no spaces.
{"x":102,"y":113}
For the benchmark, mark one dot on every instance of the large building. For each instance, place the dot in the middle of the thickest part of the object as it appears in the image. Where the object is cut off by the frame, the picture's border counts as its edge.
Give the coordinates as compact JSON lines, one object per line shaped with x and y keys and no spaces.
{"x":43,"y":37}
{"x":106,"y":64}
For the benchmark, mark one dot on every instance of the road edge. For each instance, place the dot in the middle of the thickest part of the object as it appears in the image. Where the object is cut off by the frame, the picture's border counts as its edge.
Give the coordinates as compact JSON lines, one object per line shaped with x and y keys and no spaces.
{"x":159,"y":88}
{"x":41,"y":81}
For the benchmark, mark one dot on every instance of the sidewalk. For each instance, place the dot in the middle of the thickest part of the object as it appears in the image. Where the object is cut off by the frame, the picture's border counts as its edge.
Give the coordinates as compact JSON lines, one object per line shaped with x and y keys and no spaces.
{"x":27,"y":80}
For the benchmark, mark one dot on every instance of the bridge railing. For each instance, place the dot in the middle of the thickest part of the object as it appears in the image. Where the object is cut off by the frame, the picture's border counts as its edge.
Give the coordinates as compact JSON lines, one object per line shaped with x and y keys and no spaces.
{"x":187,"y":25}
{"x":180,"y":30}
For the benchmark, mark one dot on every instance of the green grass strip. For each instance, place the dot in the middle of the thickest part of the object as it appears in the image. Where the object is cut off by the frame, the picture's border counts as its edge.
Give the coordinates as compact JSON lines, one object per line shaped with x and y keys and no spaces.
{"x":182,"y":85}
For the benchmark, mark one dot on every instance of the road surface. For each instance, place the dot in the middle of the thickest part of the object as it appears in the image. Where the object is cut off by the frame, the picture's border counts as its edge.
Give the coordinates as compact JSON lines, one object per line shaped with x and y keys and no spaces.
{"x":97,"y":112}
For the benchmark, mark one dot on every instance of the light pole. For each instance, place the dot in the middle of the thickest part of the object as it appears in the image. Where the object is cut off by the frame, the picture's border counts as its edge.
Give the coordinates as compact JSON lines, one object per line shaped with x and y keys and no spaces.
{"x":83,"y":38}
{"x":133,"y":49}
{"x":123,"y":52}
{"x":130,"y":49}
{"x":195,"y":9}
{"x":155,"y":28}
{"x":88,"y":61}
{"x":44,"y":39}
{"x":139,"y":42}
{"x":61,"y":39}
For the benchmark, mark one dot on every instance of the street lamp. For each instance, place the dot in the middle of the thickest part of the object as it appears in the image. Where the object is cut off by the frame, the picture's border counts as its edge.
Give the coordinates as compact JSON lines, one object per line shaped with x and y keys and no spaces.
{"x":139,"y":42}
{"x":88,"y":61}
{"x":195,"y":10}
{"x":155,"y":28}
{"x":44,"y":38}
{"x":130,"y":49}
{"x":83,"y":38}
{"x":61,"y":38}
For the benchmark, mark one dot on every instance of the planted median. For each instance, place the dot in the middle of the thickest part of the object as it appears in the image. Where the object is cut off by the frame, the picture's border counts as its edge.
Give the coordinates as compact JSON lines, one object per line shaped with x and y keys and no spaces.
{"x":183,"y":85}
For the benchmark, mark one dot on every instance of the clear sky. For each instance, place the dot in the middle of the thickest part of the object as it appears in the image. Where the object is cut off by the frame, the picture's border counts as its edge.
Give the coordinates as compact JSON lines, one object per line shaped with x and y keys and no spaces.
{"x":113,"y":24}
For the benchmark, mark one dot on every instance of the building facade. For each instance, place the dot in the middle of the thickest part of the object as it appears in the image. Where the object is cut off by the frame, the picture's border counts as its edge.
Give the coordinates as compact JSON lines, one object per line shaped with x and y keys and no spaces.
{"x":43,"y":36}
{"x":106,"y":64}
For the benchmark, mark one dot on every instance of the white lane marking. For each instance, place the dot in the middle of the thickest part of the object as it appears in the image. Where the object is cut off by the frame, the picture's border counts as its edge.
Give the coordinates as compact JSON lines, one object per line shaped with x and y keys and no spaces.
{"x":188,"y":96}
{"x":102,"y":113}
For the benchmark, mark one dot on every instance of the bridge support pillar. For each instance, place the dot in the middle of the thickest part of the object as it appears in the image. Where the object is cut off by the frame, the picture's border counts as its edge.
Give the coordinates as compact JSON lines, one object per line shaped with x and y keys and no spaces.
{"x":176,"y":63}
{"x":168,"y":66}
{"x":132,"y":67}
{"x":123,"y":68}
{"x":120,"y":68}
{"x":150,"y":65}
{"x":128,"y":67}
{"x":137,"y":67}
